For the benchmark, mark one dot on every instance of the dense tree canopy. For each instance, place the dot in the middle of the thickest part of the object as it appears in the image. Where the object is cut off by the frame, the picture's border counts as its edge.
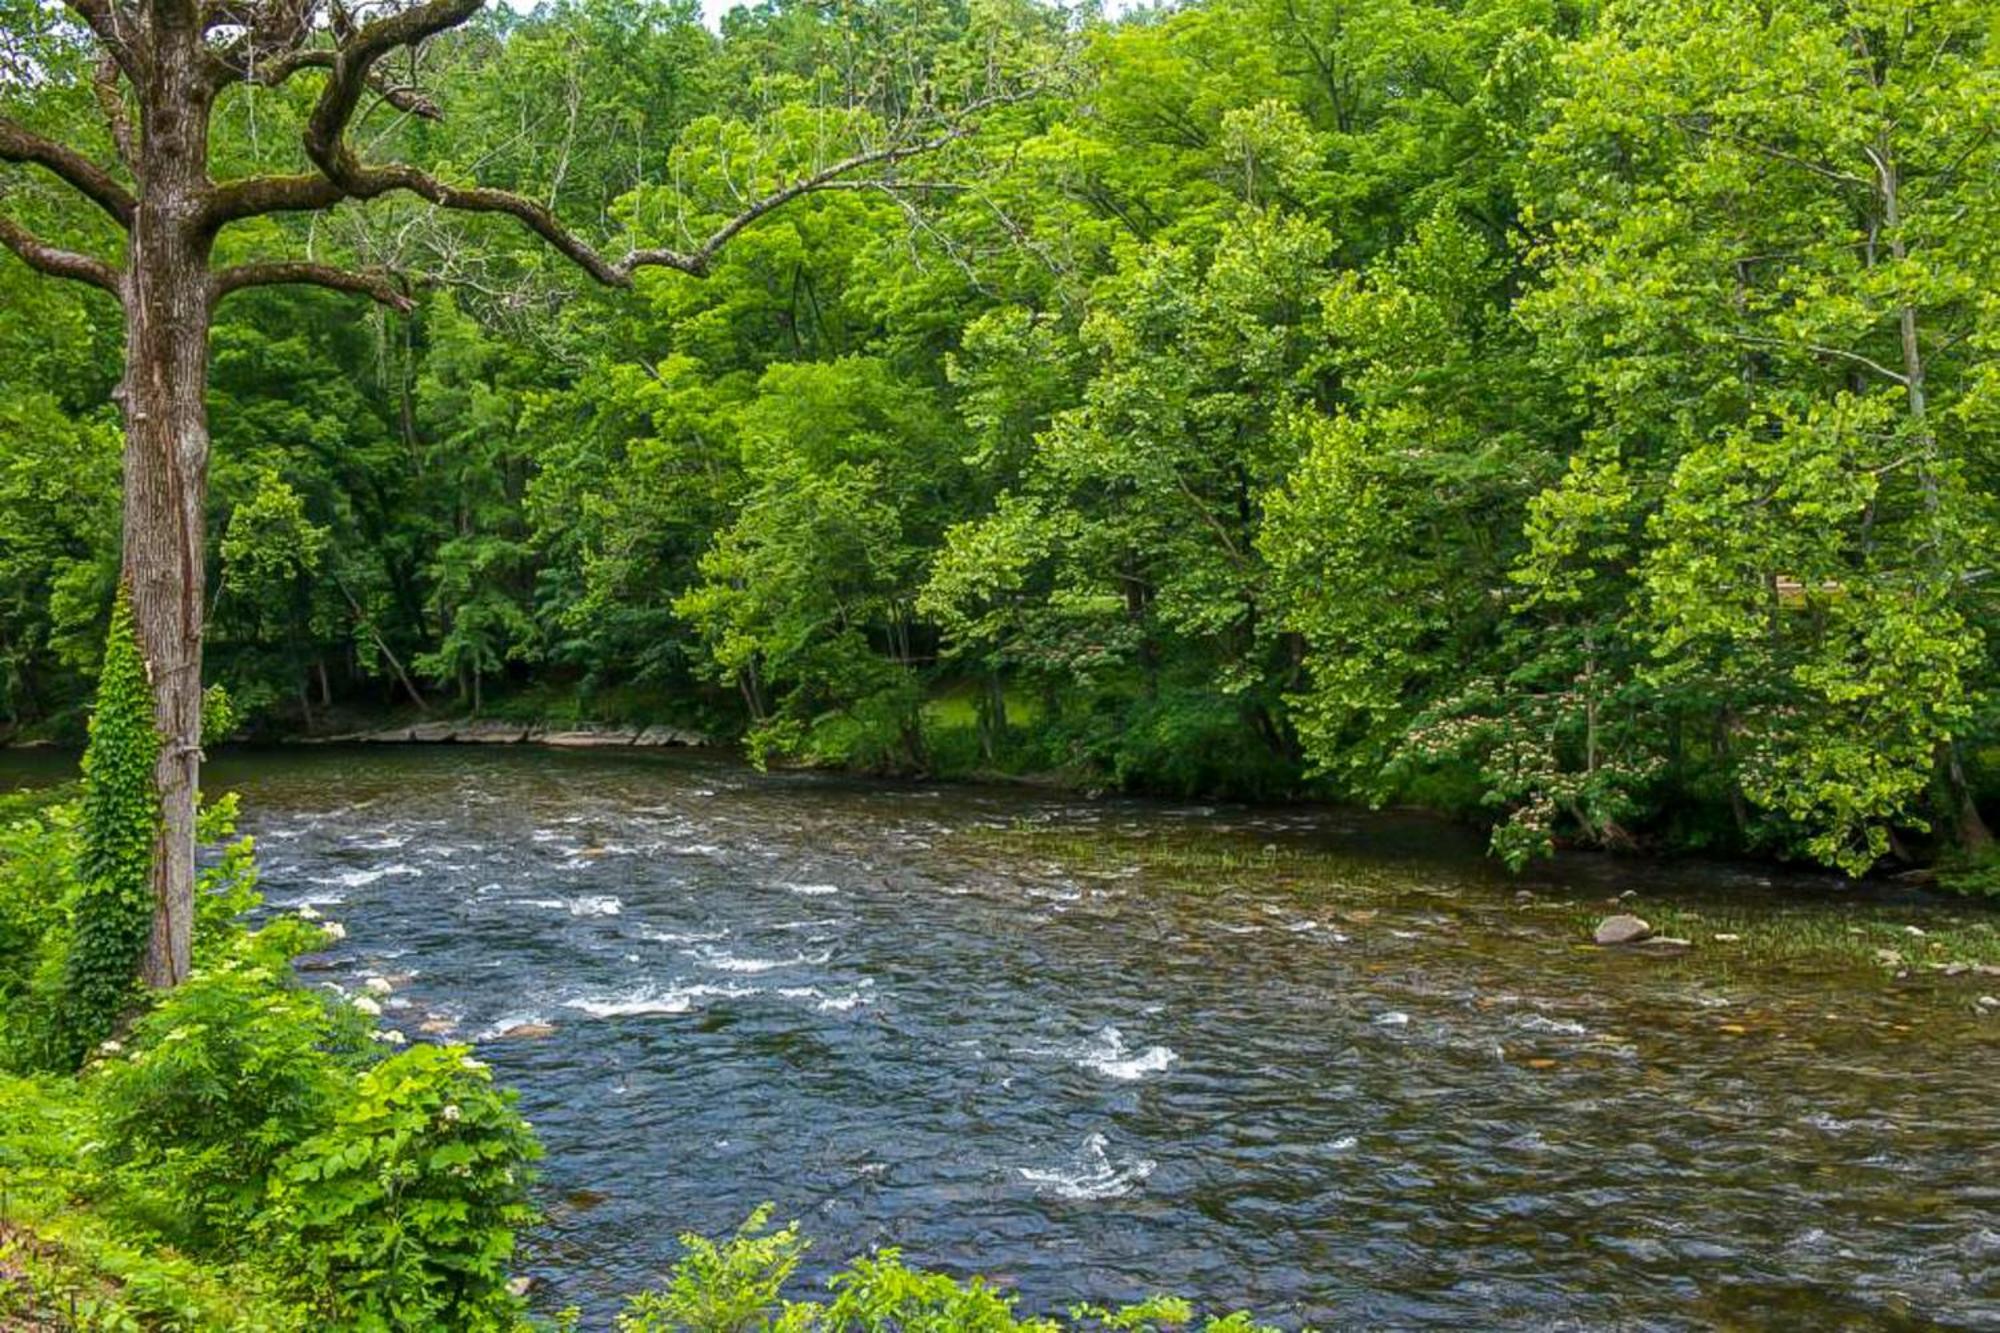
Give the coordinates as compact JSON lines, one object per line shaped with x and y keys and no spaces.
{"x":1582,"y":415}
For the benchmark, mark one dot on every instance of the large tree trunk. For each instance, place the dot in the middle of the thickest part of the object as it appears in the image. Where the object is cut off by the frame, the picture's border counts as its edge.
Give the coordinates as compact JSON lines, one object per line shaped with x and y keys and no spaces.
{"x":168,"y":301}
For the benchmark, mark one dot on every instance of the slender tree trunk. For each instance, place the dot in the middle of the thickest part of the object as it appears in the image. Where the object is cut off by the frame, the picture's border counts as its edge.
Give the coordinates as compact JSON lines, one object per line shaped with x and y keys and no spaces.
{"x":168,"y":302}
{"x":1973,"y":835}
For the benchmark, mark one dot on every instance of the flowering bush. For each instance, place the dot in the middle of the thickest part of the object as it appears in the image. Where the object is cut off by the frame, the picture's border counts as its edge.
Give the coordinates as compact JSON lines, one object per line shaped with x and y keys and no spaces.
{"x":402,"y":1215}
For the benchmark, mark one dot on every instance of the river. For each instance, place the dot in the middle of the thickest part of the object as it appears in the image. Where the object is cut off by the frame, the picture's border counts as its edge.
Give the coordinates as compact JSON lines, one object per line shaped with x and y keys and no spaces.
{"x":1335,"y":1068}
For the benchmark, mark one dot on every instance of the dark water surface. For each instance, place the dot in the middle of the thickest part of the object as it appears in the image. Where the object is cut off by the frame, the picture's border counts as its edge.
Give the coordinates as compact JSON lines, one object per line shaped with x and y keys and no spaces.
{"x":1324,"y":1066}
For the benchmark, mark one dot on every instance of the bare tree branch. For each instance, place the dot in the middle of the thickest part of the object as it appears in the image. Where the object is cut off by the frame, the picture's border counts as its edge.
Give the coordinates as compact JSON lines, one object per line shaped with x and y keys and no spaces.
{"x":241,"y":63}
{"x":58,"y":263}
{"x":20,"y":144}
{"x":376,"y":286}
{"x":1820,"y":349}
{"x":1776,"y":154}
{"x":833,"y":176}
{"x":234,"y":14}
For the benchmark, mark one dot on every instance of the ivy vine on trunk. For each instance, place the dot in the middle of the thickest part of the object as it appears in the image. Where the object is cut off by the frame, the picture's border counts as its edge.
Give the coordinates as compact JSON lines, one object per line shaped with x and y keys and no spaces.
{"x":114,"y":917}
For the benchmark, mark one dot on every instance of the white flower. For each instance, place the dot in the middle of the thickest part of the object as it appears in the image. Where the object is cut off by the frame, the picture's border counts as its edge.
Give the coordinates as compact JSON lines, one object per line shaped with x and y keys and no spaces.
{"x":450,"y":1113}
{"x":308,"y":913}
{"x":335,"y":931}
{"x":389,"y":1035}
{"x":110,"y":1047}
{"x":378,"y":986}
{"x":367,"y":1006}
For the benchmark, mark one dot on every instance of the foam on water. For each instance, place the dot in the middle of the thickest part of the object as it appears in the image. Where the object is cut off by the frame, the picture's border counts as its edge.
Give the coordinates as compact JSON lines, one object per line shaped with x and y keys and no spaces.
{"x":824,"y":1003}
{"x":728,"y":962}
{"x":355,"y":879}
{"x":1566,"y":1027}
{"x":1091,"y":1174}
{"x":654,"y":1000}
{"x":654,"y":935}
{"x":1104,"y":1052}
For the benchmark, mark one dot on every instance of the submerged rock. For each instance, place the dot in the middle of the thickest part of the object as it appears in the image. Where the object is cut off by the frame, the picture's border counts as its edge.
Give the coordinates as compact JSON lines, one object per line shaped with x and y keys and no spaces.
{"x":1623,"y":928}
{"x":526,"y":1031}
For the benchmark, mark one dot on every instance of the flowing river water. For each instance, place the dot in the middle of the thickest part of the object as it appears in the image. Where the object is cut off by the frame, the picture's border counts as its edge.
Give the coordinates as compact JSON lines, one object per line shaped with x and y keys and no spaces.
{"x":1335,"y":1068}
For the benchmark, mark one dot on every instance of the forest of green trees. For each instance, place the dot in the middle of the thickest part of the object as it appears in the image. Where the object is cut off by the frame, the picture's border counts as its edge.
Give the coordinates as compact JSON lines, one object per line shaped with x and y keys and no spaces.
{"x":1585,"y":417}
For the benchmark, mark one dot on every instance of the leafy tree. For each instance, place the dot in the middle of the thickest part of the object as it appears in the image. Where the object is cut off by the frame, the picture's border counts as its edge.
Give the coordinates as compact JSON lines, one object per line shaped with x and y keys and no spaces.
{"x":1765,"y":232}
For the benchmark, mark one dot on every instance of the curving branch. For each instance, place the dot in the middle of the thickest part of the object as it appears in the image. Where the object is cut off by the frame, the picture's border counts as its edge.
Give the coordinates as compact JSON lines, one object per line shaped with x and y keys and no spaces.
{"x":234,"y":66}
{"x":832,"y":176}
{"x":18,"y":143}
{"x":57,"y":263}
{"x":270,"y":273}
{"x":115,"y":26}
{"x":351,"y":69}
{"x":255,"y":196}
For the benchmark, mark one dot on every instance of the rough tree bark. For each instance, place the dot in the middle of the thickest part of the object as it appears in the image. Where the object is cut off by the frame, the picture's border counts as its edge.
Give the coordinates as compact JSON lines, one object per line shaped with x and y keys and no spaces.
{"x":172,"y":59}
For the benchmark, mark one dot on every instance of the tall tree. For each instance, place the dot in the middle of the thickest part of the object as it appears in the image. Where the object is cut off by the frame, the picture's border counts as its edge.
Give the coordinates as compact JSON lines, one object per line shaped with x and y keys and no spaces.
{"x":158,"y":70}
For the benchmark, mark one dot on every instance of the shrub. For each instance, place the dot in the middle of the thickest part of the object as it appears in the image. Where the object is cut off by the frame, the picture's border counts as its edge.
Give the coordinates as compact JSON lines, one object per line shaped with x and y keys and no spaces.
{"x":737,"y":1286}
{"x":402,"y":1215}
{"x":233,"y":1069}
{"x":37,"y":884}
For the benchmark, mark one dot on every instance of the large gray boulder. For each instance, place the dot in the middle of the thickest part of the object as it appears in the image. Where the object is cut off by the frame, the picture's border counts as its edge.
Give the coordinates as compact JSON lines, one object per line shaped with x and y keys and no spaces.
{"x":1623,"y":928}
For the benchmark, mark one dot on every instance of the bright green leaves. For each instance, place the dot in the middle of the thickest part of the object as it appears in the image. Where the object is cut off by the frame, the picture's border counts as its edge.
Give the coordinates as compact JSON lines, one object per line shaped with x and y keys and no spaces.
{"x":247,"y":1126}
{"x":1391,"y":533}
{"x":271,"y":555}
{"x":469,"y":402}
{"x":807,"y":599}
{"x":729,"y":1287}
{"x":1751,"y":281}
{"x":1788,"y":580}
{"x":113,"y":915}
{"x":402,"y":1215}
{"x":738,"y":1286}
